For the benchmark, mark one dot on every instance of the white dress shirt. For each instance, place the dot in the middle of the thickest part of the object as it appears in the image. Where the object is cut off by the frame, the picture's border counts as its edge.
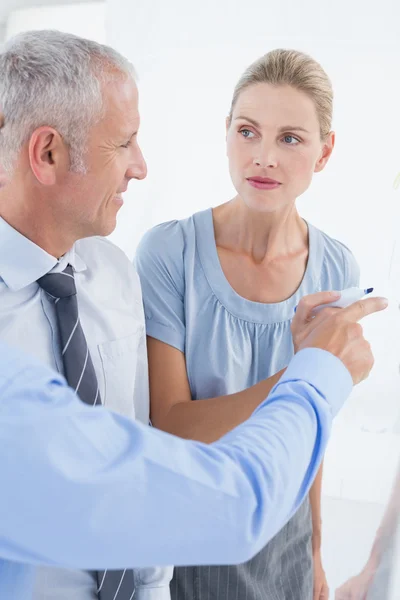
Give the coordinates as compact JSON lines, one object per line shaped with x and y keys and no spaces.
{"x":111,"y":314}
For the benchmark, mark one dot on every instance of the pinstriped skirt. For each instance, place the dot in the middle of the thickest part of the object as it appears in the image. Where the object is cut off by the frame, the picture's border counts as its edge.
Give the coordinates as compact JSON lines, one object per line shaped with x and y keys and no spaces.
{"x":283,"y":570}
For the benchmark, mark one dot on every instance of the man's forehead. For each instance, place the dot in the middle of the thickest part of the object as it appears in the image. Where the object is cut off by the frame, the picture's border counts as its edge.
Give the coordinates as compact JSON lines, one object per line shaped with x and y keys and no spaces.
{"x":123,"y":92}
{"x":122,"y":105}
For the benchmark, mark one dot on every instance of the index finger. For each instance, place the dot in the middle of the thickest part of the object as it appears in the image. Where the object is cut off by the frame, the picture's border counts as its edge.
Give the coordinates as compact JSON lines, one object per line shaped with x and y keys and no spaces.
{"x":311,"y":301}
{"x":362,"y":308}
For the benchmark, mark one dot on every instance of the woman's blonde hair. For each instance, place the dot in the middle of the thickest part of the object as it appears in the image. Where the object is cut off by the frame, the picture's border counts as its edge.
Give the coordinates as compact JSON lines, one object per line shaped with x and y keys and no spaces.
{"x":300,"y":71}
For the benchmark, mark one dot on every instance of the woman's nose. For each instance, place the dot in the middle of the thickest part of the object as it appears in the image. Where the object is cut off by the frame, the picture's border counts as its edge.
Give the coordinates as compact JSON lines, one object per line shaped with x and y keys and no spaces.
{"x":266,"y":163}
{"x":265,"y":158}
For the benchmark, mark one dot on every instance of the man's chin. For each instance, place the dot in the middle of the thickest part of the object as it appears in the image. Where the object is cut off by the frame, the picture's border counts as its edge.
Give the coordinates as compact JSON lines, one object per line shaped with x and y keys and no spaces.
{"x":109,"y":228}
{"x":104,"y":229}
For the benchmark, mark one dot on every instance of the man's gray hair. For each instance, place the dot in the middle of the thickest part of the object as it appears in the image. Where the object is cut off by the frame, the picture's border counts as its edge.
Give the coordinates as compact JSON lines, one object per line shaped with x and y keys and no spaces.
{"x":55,"y":79}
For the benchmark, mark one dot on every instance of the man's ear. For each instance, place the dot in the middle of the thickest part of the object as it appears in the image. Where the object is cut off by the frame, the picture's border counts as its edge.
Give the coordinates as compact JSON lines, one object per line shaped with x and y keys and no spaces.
{"x":48,"y":155}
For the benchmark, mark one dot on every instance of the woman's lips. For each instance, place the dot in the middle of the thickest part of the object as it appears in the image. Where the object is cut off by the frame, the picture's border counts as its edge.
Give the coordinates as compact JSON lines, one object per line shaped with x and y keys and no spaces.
{"x":263,"y":183}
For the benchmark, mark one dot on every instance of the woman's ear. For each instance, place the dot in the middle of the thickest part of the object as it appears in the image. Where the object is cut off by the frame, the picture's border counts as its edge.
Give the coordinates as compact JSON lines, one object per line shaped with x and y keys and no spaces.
{"x":227,"y":125}
{"x":327,"y":149}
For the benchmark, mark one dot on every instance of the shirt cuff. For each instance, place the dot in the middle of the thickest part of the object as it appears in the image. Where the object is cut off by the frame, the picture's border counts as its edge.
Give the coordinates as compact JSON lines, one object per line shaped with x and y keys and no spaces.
{"x":153,"y":593}
{"x":323,"y":371}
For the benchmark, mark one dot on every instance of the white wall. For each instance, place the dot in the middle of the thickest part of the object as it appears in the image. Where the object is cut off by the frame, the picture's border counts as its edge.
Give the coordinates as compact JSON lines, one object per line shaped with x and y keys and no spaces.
{"x":189,"y":56}
{"x":2,"y":32}
{"x":86,"y":19}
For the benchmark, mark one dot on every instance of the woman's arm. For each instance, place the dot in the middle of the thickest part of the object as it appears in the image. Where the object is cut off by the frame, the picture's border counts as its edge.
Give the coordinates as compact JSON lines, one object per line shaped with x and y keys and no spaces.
{"x":321,"y":589}
{"x":315,"y":501}
{"x":207,"y":420}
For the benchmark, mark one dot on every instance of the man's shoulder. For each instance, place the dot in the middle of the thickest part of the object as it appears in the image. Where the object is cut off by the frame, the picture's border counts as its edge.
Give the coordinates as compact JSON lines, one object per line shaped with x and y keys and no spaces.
{"x":106,"y":260}
{"x":101,"y":247}
{"x":99,"y":252}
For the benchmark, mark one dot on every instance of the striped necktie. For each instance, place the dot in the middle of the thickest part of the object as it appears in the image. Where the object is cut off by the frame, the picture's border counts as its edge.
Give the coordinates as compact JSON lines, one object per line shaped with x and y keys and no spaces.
{"x":80,"y":375}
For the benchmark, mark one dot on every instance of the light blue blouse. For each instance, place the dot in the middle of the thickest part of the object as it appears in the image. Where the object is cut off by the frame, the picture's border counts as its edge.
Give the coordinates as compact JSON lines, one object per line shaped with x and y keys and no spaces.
{"x":230,"y":343}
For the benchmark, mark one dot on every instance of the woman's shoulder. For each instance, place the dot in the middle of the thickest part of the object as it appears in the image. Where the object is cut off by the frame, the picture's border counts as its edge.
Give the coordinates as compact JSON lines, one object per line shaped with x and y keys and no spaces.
{"x":166,"y":244}
{"x":172,"y":235}
{"x":162,"y":235}
{"x":165,"y":239}
{"x":335,"y":247}
{"x":339,"y":257}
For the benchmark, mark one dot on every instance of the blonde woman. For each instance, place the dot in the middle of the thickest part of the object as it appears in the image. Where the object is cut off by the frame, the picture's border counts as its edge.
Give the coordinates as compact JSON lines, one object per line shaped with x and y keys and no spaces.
{"x":220,"y":289}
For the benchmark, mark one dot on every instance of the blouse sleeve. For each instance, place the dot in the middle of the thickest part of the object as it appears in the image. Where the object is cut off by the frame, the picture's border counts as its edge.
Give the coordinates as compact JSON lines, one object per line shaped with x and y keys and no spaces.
{"x":159,"y":262}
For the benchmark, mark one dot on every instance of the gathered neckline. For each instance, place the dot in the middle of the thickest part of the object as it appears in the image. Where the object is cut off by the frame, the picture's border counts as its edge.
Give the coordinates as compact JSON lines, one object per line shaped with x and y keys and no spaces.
{"x":236,"y":304}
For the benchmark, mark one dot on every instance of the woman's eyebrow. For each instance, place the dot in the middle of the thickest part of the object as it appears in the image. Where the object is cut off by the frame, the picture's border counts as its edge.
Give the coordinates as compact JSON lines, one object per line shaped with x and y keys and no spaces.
{"x":281,"y":129}
{"x":252,"y":121}
{"x":293,"y":128}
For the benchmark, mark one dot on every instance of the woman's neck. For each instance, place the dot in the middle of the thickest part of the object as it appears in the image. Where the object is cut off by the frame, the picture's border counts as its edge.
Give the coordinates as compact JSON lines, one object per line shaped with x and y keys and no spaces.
{"x":263,"y":236}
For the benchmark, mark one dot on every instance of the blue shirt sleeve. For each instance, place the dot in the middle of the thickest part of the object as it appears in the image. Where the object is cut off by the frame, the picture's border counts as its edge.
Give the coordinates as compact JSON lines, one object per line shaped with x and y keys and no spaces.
{"x":85,"y":488}
{"x":159,"y":263}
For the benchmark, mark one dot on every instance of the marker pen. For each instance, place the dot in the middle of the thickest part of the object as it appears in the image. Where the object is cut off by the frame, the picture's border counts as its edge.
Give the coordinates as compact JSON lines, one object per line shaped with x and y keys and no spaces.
{"x":348,"y":296}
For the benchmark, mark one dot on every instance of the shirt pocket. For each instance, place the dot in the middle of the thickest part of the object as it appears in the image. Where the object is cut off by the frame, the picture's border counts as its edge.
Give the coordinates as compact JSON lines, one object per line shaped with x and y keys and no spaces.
{"x":119,"y":359}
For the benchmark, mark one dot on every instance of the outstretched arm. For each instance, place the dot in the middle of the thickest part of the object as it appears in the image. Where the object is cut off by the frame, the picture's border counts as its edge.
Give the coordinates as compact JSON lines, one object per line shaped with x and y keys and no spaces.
{"x":85,"y":488}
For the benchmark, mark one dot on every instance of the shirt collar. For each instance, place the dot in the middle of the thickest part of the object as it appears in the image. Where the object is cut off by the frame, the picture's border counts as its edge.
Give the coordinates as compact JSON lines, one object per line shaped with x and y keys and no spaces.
{"x":22,"y":262}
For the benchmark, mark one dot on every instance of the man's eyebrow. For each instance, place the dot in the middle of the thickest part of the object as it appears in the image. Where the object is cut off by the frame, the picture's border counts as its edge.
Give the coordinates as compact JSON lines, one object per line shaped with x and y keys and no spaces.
{"x":281,"y":129}
{"x":129,"y":136}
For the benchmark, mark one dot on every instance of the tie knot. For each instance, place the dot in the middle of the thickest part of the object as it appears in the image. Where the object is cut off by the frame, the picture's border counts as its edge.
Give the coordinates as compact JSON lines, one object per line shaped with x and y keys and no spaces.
{"x":59,"y":285}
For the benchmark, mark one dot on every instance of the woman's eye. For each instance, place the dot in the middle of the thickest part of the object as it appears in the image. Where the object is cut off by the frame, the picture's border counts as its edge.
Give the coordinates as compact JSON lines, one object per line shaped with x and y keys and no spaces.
{"x":246,"y":133}
{"x":126,"y":145}
{"x":291,"y":140}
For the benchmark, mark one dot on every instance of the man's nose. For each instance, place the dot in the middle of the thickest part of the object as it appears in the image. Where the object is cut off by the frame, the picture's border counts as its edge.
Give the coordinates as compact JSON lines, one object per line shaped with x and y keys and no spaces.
{"x":138,"y":167}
